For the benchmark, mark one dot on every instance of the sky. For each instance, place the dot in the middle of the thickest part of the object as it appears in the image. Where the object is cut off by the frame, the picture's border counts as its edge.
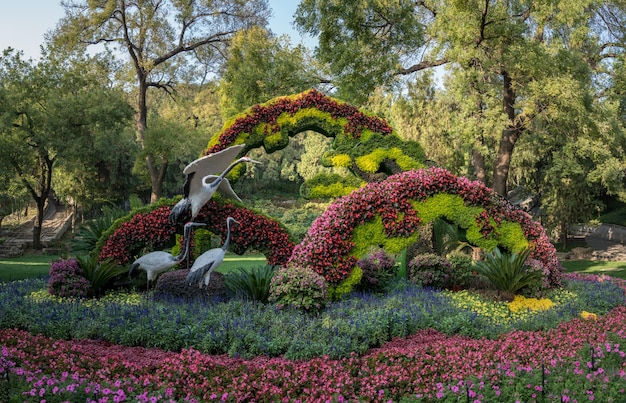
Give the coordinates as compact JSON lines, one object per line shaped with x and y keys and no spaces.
{"x":24,"y":22}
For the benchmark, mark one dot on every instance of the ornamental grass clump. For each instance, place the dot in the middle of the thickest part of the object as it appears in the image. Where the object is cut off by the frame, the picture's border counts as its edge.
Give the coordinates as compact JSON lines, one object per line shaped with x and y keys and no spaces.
{"x":430,"y":270}
{"x":377,"y":270}
{"x":67,"y":279}
{"x":251,"y":284}
{"x":298,"y":287}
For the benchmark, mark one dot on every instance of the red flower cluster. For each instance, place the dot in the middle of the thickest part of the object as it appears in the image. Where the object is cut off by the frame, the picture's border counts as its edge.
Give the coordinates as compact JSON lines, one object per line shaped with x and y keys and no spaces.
{"x":328,"y":244}
{"x":268,"y":114}
{"x":153,"y":230}
{"x":150,"y":230}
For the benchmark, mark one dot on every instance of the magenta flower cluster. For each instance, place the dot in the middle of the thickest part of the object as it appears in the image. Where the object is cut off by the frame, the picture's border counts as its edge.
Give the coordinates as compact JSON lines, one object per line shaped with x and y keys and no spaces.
{"x":269,"y":112}
{"x":67,"y":279}
{"x":328,"y":243}
{"x":427,"y":364}
{"x":152,"y":229}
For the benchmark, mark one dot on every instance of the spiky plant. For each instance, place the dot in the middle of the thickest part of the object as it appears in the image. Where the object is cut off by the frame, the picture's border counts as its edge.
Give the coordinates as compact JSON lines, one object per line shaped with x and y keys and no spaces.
{"x":507,"y":271}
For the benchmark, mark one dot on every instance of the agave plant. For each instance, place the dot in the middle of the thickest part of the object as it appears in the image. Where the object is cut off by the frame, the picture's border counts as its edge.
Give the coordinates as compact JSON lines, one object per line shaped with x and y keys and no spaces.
{"x":507,"y":271}
{"x":253,"y":283}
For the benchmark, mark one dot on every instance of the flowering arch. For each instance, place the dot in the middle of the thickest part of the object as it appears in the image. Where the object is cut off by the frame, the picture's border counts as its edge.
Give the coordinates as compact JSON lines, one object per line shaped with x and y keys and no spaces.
{"x":364,"y":143}
{"x":151,"y":229}
{"x":388,"y":213}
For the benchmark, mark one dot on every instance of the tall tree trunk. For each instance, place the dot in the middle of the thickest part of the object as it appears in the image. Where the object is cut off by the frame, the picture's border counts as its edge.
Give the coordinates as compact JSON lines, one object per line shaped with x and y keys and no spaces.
{"x":478,"y":163}
{"x":155,"y":169}
{"x":509,"y":137}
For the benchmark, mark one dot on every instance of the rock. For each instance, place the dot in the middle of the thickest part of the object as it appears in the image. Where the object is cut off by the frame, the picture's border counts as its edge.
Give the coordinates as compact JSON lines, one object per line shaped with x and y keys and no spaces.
{"x":172,"y":285}
{"x":581,"y":253}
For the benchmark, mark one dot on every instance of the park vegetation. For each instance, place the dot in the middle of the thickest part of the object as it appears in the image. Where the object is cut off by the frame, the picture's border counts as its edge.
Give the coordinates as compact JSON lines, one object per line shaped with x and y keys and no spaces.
{"x":399,"y":272}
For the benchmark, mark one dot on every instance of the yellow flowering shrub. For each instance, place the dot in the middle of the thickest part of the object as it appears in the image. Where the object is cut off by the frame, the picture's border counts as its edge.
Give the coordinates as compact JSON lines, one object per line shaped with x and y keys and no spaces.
{"x":501,"y":312}
{"x":118,"y":297}
{"x":588,"y":315}
{"x":521,"y":303}
{"x":341,"y":160}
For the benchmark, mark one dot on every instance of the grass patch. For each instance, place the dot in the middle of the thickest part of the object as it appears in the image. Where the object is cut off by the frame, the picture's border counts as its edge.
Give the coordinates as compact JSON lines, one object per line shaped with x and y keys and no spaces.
{"x":34,"y":266}
{"x":613,"y":269}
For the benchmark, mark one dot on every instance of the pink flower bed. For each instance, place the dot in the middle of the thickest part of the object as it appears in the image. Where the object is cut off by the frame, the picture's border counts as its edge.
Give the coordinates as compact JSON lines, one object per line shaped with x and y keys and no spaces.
{"x":428,"y":363}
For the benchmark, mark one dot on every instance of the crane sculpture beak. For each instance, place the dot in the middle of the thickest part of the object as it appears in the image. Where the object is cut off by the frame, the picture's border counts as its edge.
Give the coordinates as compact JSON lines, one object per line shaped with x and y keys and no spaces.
{"x":248,"y":159}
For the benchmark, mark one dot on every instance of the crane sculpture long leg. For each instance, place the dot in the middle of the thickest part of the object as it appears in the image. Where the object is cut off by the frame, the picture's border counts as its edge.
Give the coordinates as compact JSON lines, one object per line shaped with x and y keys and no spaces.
{"x":202,"y":182}
{"x":155,"y":263}
{"x":204,"y":265}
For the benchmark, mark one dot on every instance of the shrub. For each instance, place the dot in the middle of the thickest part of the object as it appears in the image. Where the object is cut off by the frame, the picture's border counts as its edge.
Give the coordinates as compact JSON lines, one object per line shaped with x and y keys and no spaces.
{"x":507,"y":271}
{"x":298,"y":287}
{"x":430,"y":270}
{"x":99,"y":274}
{"x":378,"y":269}
{"x":67,"y":279}
{"x":462,"y":268}
{"x":251,"y":284}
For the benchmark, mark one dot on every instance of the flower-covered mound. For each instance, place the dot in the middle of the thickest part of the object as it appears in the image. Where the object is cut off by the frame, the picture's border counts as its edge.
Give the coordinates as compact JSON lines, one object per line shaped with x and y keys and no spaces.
{"x":388,"y":214}
{"x":151,"y":229}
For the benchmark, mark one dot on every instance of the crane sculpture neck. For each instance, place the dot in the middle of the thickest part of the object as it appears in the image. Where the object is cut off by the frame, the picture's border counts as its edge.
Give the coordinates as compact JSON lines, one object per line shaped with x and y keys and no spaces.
{"x":227,"y":241}
{"x":186,"y":243}
{"x":219,"y":179}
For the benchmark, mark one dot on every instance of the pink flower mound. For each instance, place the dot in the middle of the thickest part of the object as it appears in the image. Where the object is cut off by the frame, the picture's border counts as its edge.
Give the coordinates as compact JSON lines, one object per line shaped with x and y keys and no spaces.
{"x":327,"y":245}
{"x":415,"y":365}
{"x":153,"y":230}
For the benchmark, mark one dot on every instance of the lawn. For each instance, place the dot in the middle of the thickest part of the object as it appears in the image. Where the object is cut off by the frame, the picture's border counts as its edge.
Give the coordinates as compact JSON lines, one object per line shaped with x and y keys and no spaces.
{"x":614,"y":269}
{"x":32,"y":266}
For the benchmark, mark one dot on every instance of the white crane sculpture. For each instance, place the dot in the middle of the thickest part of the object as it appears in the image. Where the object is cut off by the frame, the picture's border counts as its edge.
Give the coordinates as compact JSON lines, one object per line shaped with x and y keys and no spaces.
{"x":201,"y":182}
{"x":155,"y":263}
{"x":204,"y":265}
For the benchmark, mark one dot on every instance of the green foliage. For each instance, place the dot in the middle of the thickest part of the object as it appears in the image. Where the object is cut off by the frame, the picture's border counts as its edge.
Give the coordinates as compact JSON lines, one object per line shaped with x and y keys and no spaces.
{"x":329,"y":186}
{"x":260,"y":67}
{"x":99,"y":274}
{"x":430,"y":270}
{"x":373,"y":233}
{"x":462,"y":268}
{"x":346,"y":286}
{"x":88,"y":233}
{"x":299,"y":288}
{"x":363,"y":57}
{"x":507,"y":271}
{"x":251,"y":283}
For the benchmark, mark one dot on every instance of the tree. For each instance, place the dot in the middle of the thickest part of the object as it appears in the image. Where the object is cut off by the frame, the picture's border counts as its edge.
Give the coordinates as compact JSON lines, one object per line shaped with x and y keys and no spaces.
{"x":52,"y":110}
{"x":260,"y":67}
{"x":163,"y":42}
{"x":512,"y":66}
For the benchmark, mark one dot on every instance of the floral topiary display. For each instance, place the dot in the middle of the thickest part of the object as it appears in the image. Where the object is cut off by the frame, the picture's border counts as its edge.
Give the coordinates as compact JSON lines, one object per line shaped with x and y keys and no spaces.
{"x":388,"y":214}
{"x":298,"y":287}
{"x":364,"y":143}
{"x":430,"y":270}
{"x":67,"y":279}
{"x":151,"y":229}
